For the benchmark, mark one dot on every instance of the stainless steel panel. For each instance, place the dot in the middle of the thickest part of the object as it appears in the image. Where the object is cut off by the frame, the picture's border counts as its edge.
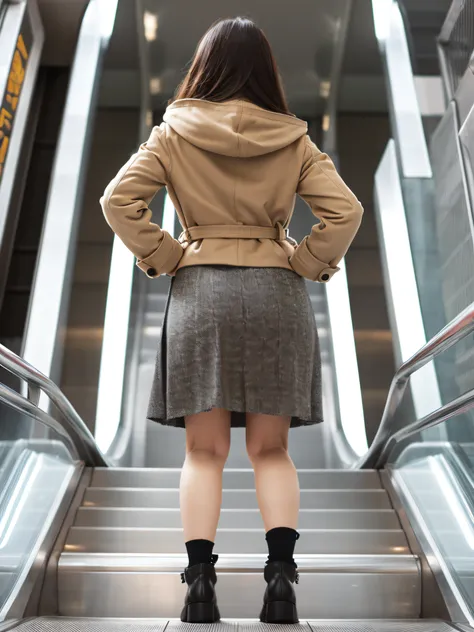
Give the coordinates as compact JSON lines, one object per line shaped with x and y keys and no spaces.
{"x":443,"y":570}
{"x":237,"y":518}
{"x":71,"y":563}
{"x":240,"y":595}
{"x":236,"y":498}
{"x":234,"y":478}
{"x":245,"y":541}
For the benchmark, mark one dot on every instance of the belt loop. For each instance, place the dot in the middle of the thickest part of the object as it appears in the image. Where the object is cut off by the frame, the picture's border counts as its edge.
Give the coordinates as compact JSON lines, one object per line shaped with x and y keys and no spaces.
{"x":184,"y":236}
{"x":281,"y":232}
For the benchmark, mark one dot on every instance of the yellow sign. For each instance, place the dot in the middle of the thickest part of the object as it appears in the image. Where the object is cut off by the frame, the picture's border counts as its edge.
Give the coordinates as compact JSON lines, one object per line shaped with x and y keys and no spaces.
{"x":8,"y":109}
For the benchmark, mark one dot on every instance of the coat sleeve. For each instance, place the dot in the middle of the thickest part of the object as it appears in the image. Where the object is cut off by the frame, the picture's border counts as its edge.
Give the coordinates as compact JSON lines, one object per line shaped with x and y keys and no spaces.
{"x":125,"y":207}
{"x":339,"y":213}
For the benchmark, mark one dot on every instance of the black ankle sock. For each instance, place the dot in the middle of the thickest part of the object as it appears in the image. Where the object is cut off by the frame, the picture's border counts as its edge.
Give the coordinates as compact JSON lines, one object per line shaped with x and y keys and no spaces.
{"x":281,"y":544}
{"x":199,"y":551}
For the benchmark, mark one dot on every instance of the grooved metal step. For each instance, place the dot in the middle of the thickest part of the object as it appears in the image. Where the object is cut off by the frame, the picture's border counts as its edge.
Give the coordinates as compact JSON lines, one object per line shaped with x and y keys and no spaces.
{"x":236,"y":498}
{"x":244,"y":541}
{"x":69,"y":624}
{"x":150,"y":517}
{"x":234,"y":478}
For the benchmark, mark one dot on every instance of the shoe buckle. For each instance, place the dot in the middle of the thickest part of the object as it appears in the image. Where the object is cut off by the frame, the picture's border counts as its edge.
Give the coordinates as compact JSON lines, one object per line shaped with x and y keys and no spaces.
{"x":183,"y":578}
{"x":214,"y":558}
{"x":297,"y":578}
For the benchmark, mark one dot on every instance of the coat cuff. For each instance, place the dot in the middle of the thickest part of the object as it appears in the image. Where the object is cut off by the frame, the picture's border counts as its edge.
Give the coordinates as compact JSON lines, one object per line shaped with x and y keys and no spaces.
{"x":307,"y":265}
{"x":164,"y":259}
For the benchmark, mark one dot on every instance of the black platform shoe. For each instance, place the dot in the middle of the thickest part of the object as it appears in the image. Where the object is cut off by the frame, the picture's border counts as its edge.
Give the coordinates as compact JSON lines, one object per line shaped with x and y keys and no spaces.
{"x":279,"y":600}
{"x":200,"y":604}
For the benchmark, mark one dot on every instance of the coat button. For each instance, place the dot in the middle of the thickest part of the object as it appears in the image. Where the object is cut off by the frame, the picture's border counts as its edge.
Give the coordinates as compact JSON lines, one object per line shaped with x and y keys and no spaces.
{"x":151,"y":272}
{"x":325,"y":277}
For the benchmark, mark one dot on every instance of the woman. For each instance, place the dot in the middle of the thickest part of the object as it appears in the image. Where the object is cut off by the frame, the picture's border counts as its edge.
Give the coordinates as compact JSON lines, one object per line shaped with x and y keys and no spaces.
{"x":239,"y":343}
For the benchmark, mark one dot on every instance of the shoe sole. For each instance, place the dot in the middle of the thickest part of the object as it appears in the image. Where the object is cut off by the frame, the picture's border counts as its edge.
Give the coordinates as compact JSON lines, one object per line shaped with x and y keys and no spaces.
{"x":200,"y":613}
{"x":279,"y":612}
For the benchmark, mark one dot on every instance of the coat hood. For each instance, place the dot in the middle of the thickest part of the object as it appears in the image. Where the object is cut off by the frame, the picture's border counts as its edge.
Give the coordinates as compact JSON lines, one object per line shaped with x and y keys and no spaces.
{"x":235,"y":128}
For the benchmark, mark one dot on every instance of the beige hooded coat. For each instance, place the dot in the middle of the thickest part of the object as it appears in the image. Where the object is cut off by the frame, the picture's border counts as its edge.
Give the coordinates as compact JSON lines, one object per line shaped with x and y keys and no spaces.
{"x":232,"y":171}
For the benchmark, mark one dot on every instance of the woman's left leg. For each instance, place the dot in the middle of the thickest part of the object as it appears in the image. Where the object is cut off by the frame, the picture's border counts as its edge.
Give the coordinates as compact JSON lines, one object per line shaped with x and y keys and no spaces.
{"x":207,"y":447}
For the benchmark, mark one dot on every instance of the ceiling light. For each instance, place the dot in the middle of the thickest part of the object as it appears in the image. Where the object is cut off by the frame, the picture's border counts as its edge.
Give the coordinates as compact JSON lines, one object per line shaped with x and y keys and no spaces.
{"x":150,"y":24}
{"x":155,"y":85}
{"x":324,"y":89}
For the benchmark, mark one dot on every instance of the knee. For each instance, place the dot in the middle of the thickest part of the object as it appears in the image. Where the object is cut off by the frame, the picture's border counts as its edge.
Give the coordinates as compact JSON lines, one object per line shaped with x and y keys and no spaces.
{"x":216,"y":453}
{"x":257,"y":452}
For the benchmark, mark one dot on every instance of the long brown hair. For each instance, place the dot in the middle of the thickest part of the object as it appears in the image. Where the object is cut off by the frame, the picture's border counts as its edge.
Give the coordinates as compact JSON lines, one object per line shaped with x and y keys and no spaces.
{"x":234,"y":60}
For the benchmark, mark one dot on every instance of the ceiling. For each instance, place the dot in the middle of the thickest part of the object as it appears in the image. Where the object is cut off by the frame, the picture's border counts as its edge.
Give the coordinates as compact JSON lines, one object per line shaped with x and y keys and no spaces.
{"x":303,"y":34}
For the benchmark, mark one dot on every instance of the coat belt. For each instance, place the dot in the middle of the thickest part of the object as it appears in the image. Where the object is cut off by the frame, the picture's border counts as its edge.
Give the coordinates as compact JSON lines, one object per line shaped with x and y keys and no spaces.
{"x":234,"y":231}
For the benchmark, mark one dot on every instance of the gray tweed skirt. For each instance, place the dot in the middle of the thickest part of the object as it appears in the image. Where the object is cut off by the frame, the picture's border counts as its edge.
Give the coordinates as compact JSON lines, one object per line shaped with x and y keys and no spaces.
{"x":238,"y":338}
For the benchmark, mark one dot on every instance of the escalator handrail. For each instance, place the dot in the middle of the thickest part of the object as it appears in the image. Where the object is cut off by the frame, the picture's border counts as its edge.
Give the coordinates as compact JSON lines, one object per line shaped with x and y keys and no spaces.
{"x":378,"y":453}
{"x":70,"y":421}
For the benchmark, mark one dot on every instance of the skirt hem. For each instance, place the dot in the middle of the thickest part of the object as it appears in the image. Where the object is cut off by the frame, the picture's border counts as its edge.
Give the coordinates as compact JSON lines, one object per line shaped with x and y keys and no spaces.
{"x":177,"y":420}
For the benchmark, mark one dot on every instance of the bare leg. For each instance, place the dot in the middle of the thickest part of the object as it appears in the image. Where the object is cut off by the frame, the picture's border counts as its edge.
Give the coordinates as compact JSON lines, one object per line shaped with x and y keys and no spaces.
{"x":207,"y":448}
{"x":276,"y":478}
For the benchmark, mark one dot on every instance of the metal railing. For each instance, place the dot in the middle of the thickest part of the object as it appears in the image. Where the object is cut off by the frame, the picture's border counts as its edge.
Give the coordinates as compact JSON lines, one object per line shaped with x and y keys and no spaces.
{"x":385,"y":439}
{"x":70,"y":427}
{"x":456,"y":43}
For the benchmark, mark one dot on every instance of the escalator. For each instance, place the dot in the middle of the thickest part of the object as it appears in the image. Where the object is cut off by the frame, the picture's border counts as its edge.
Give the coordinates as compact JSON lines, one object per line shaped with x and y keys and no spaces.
{"x":88,"y":545}
{"x":90,"y":534}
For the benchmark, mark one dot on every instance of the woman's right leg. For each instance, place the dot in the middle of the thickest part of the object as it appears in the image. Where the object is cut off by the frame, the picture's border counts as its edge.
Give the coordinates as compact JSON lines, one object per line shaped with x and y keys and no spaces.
{"x":207,"y":448}
{"x":276,"y":482}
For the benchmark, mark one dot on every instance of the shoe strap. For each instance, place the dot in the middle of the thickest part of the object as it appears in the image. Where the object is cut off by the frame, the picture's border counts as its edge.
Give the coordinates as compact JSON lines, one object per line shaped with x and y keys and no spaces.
{"x":214,"y":559}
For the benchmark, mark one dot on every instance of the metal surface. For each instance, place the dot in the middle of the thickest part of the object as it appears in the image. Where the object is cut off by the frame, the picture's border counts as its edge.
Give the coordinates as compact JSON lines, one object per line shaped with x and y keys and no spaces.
{"x":400,"y":281}
{"x":20,"y":404}
{"x":432,"y":602}
{"x":456,"y":330}
{"x":454,"y":216}
{"x":59,"y":624}
{"x":403,"y":102}
{"x":48,"y":601}
{"x":116,"y":557}
{"x":456,"y":604}
{"x":460,"y":405}
{"x":235,"y":498}
{"x":35,"y":506}
{"x":160,"y":593}
{"x":44,"y":332}
{"x":122,"y":517}
{"x":349,"y":432}
{"x":395,"y":565}
{"x":70,"y":426}
{"x":466,"y":138}
{"x":380,"y":626}
{"x":245,"y":541}
{"x":236,"y":478}
{"x":456,"y":42}
{"x":67,"y":624}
